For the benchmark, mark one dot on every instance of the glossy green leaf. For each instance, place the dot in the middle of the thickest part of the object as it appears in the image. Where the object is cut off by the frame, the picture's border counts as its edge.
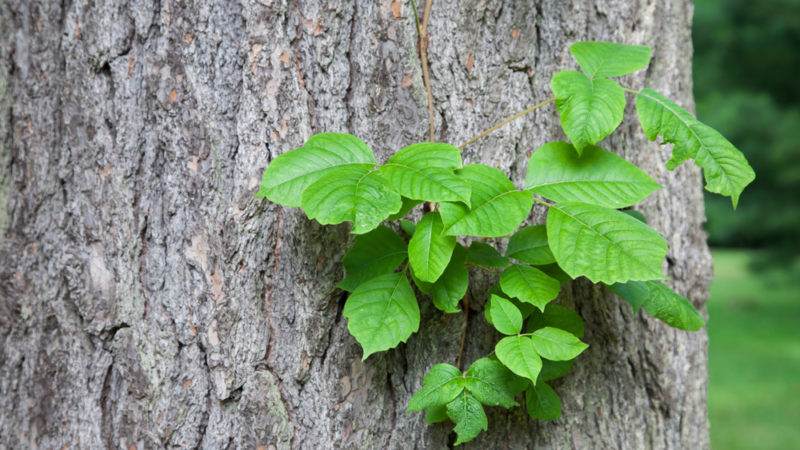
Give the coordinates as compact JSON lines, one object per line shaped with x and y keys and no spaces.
{"x":661,"y":302}
{"x":481,"y":254}
{"x":436,"y":414}
{"x":491,"y":383}
{"x":590,"y":110}
{"x":441,"y":385}
{"x":529,"y":245}
{"x":596,"y":176}
{"x":382,"y":313}
{"x":530,"y":285}
{"x":356,"y":194}
{"x":467,"y":413}
{"x":603,"y":244}
{"x":376,"y":253}
{"x":558,"y":317}
{"x":554,"y":369}
{"x":497,"y":206}
{"x":408,"y":227}
{"x":408,"y":205}
{"x":429,"y":250}
{"x":635,"y":214}
{"x":505,"y":316}
{"x":452,"y":286}
{"x":609,"y":59}
{"x":542,"y":402}
{"x":519,"y":355}
{"x":556,"y":344}
{"x":288,"y":175}
{"x":725,"y":168}
{"x":555,"y":271}
{"x":425,"y":172}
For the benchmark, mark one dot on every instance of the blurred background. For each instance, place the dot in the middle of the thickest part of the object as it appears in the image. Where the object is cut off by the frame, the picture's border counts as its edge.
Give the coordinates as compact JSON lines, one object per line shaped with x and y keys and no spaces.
{"x":747,"y":86}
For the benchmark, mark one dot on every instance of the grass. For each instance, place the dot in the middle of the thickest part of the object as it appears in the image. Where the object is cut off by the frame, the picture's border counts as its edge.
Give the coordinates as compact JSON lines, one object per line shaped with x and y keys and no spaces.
{"x":754,"y":355}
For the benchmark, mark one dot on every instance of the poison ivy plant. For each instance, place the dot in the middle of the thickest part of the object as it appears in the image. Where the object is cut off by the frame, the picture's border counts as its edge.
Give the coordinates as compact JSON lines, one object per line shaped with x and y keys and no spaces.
{"x":590,"y":231}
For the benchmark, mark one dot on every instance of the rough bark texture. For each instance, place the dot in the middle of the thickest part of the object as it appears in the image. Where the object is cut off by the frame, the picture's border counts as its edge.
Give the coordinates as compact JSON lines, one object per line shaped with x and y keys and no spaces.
{"x":147,"y":299}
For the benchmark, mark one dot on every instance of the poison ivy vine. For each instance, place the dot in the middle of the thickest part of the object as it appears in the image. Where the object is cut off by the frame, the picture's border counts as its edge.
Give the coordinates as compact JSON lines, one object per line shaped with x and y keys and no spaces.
{"x":335,"y":178}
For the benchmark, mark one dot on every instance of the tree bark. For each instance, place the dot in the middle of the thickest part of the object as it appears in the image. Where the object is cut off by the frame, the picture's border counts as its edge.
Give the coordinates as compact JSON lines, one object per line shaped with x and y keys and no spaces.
{"x":148,"y":300}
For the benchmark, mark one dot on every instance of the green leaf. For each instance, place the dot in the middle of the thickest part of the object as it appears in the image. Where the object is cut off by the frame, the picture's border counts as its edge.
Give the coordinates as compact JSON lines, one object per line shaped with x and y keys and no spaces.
{"x":604,"y":244}
{"x":408,"y":205}
{"x":555,"y":271}
{"x":542,"y":402}
{"x":356,"y":194}
{"x":635,"y":214}
{"x":609,"y":59}
{"x":425,"y":172}
{"x":497,"y":206}
{"x":288,"y":175}
{"x":408,"y":227}
{"x":505,"y":316}
{"x":661,"y":302}
{"x":481,"y":254}
{"x":590,"y":110}
{"x":376,"y":253}
{"x":596,"y":176}
{"x":519,"y":355}
{"x":491,"y":383}
{"x":436,"y":414}
{"x":451,"y":287}
{"x":530,"y":285}
{"x":725,"y":168}
{"x":429,"y":250}
{"x":529,"y":245}
{"x":382,"y":313}
{"x":467,"y":413}
{"x":558,"y":317}
{"x":441,"y":385}
{"x":554,"y":369}
{"x":557,"y":345}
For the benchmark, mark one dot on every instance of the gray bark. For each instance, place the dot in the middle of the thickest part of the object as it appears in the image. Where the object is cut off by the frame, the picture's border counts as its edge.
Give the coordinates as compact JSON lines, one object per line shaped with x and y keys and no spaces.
{"x":148,"y":300}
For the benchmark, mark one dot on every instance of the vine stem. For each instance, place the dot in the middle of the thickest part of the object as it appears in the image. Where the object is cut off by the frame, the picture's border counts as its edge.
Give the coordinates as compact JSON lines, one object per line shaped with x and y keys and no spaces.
{"x":630,"y":90}
{"x":543,"y":202}
{"x":423,"y":52}
{"x":510,"y":119}
{"x":464,"y":333}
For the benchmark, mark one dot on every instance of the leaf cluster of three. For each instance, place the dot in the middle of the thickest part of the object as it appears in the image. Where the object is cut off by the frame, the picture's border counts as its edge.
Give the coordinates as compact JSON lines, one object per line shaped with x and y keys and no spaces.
{"x":335,"y":178}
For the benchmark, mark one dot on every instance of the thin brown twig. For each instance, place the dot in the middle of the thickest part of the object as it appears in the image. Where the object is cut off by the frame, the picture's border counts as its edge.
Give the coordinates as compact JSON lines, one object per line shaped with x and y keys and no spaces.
{"x":510,"y":119}
{"x":423,"y":52}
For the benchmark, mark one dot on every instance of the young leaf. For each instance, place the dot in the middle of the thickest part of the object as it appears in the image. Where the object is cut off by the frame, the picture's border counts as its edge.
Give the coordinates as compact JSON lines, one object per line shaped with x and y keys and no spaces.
{"x":542,"y":402}
{"x":376,"y":253}
{"x":557,"y":345}
{"x":451,"y":287}
{"x":590,"y":109}
{"x":425,"y":172}
{"x":596,"y":176}
{"x":530,"y":285}
{"x":505,"y":316}
{"x":558,"y":317}
{"x":467,"y":413}
{"x":429,"y":250}
{"x":481,"y":254}
{"x":356,"y":194}
{"x":519,"y":355}
{"x":491,"y":383}
{"x":725,"y":168}
{"x":609,"y":59}
{"x":529,"y":245}
{"x":408,"y":205}
{"x":604,"y":244}
{"x":441,"y":385}
{"x":497,"y":206}
{"x":382,"y":313}
{"x":661,"y":302}
{"x":291,"y":173}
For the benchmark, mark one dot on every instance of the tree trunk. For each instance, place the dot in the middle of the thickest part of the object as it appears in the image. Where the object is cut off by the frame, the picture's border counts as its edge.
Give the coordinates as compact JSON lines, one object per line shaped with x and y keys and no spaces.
{"x":148,"y":300}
